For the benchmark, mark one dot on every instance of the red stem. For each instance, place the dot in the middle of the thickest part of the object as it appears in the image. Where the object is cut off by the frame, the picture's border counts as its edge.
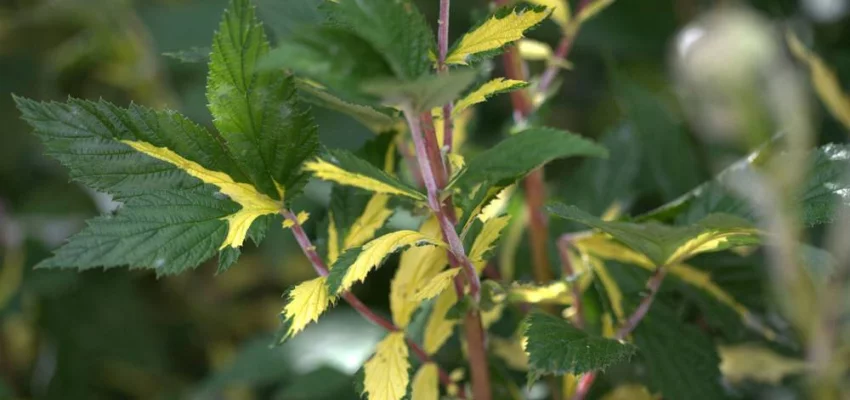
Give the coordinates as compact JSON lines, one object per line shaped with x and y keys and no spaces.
{"x":364,"y":310}
{"x":652,"y":285}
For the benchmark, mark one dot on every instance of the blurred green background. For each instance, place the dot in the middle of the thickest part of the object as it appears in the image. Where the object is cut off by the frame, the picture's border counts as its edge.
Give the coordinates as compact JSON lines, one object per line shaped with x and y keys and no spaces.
{"x":117,"y":334}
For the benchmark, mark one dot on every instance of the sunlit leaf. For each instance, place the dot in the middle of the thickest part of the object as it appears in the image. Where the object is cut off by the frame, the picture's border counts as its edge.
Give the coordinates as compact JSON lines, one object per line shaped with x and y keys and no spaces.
{"x":751,"y":362}
{"x":426,"y":384}
{"x":416,"y":266}
{"x":354,"y":264}
{"x":439,"y":327}
{"x":485,"y":91}
{"x":436,"y":285}
{"x":347,"y":169}
{"x":307,"y":301}
{"x":386,"y":373}
{"x":503,"y":27}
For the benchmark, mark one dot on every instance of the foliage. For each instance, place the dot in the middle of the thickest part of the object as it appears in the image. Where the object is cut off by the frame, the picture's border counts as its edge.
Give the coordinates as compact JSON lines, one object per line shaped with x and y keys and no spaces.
{"x":423,"y":210}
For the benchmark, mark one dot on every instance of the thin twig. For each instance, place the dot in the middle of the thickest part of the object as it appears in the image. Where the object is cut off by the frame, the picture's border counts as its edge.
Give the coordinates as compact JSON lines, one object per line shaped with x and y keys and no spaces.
{"x":319,"y":266}
{"x":652,"y":285}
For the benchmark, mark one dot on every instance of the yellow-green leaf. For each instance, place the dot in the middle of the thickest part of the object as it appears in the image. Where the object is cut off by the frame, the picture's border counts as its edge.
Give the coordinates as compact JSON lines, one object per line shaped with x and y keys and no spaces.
{"x":631,"y":391}
{"x":756,"y":363}
{"x":331,"y":172}
{"x":307,"y":301}
{"x":417,"y":265}
{"x":353,"y":265}
{"x":426,"y":384}
{"x":825,"y":81}
{"x":485,"y":240}
{"x":592,"y":9}
{"x":438,"y":329}
{"x":498,"y":31}
{"x":485,"y":91}
{"x":511,"y":352}
{"x":557,"y":292}
{"x":333,"y":240}
{"x":612,"y":289}
{"x":386,"y":373}
{"x":302,"y":217}
{"x":373,"y":218}
{"x":560,"y":11}
{"x":436,"y":285}
{"x":534,"y":50}
{"x":254,"y":204}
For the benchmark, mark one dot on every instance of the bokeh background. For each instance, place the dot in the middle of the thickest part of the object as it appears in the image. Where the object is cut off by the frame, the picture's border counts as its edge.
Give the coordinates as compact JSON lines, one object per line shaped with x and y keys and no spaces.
{"x":121,"y":334}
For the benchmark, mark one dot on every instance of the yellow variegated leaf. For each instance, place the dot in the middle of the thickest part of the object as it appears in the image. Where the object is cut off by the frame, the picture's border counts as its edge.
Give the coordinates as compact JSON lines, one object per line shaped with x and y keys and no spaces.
{"x":333,"y":240}
{"x":373,"y":253}
{"x":498,"y":205}
{"x":417,"y":265}
{"x":534,"y":50}
{"x":489,"y":317}
{"x":630,"y":391}
{"x":302,"y":217}
{"x":607,"y":249}
{"x":510,"y":245}
{"x":457,"y":162}
{"x":254,"y":204}
{"x":386,"y":373}
{"x":372,"y":219}
{"x":612,"y":289}
{"x":483,"y":92}
{"x":702,"y":280}
{"x":557,"y":292}
{"x":595,"y":7}
{"x":756,"y":363}
{"x":824,"y":80}
{"x":436,"y":285}
{"x":460,"y":124}
{"x":438,"y":329}
{"x":426,"y":384}
{"x":307,"y":301}
{"x":510,"y":351}
{"x":389,"y":158}
{"x":495,"y":33}
{"x":560,"y":11}
{"x":330,"y":172}
{"x":485,"y":240}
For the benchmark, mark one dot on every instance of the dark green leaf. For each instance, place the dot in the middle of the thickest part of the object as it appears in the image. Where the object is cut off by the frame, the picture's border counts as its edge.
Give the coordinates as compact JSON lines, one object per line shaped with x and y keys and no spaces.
{"x":395,"y":28}
{"x":256,"y":111}
{"x":510,"y":160}
{"x":333,"y":57}
{"x":825,"y":189}
{"x":670,"y":160}
{"x":682,"y":360}
{"x":665,"y":244}
{"x":554,"y":346}
{"x":287,"y":17}
{"x":423,"y":93}
{"x":379,"y":119}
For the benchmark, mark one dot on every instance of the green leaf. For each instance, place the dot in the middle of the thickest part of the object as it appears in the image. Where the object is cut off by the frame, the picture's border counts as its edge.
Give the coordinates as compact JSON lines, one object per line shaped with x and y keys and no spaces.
{"x":257,"y":112}
{"x":395,"y":28}
{"x":345,"y":168}
{"x":194,"y":55}
{"x":825,"y":190}
{"x":604,"y":182}
{"x":554,"y":346}
{"x":682,"y":360}
{"x":379,"y":120}
{"x":670,"y":161}
{"x":286,"y":18}
{"x":510,"y":160}
{"x":424,"y":93}
{"x":333,"y":57}
{"x":668,"y":245}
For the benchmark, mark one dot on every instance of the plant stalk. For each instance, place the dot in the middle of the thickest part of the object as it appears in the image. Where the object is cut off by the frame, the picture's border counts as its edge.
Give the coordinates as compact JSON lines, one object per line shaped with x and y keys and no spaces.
{"x":322,"y":270}
{"x":652,"y":286}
